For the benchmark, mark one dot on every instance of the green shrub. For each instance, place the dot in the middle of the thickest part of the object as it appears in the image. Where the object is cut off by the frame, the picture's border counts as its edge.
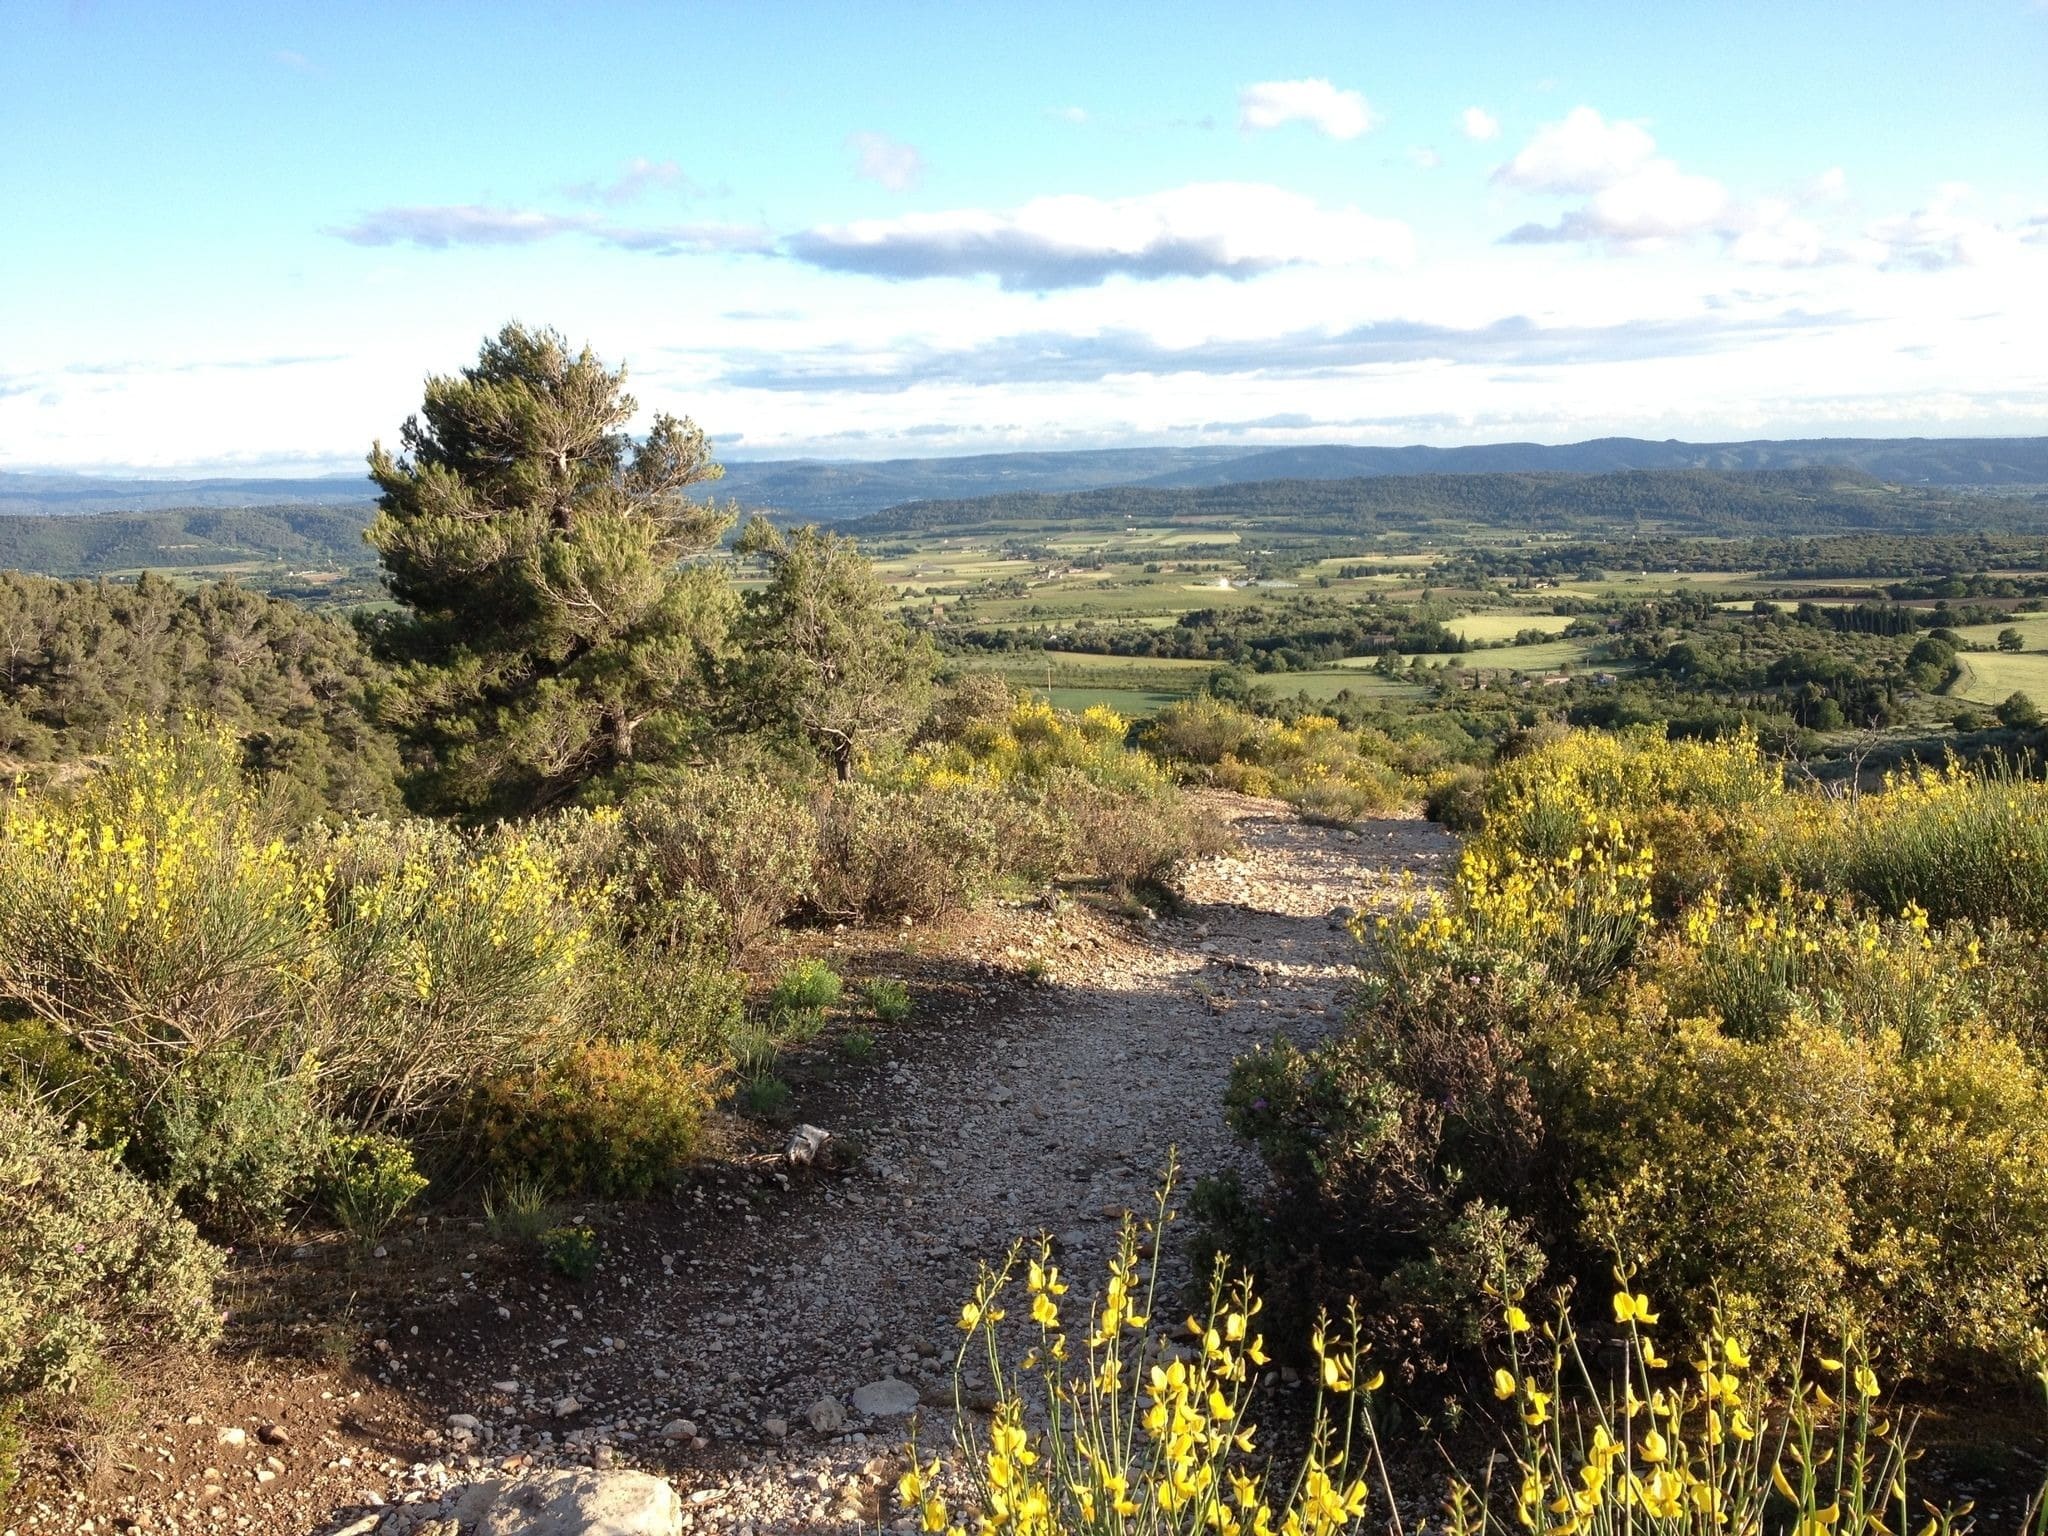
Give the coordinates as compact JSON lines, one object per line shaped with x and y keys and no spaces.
{"x":1456,"y":798}
{"x":888,"y":1000}
{"x":917,"y":851}
{"x":1954,"y":844}
{"x":95,"y":1264}
{"x":765,"y":1096}
{"x":657,"y":975}
{"x":801,"y":996}
{"x":1128,"y":839}
{"x":572,"y":1251}
{"x":1200,"y":729}
{"x":152,"y":916}
{"x":752,"y":849}
{"x":1827,"y":1099}
{"x":235,"y":1140}
{"x":614,"y":1120}
{"x":368,"y":1181}
{"x":1403,"y":1156}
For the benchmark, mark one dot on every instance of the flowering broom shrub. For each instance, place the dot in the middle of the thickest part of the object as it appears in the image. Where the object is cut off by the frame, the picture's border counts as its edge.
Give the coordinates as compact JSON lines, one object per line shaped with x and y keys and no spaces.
{"x":1111,"y":1418}
{"x":1311,"y":761}
{"x":222,"y":1000}
{"x":1778,"y":1100}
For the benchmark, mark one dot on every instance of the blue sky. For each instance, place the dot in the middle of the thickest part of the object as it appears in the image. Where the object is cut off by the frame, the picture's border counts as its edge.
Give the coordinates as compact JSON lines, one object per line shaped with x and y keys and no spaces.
{"x":236,"y":237}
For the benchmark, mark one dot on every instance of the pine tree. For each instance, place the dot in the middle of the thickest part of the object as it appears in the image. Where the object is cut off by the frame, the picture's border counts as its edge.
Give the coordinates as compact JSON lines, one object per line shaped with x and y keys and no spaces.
{"x":555,"y":637}
{"x":825,"y":656}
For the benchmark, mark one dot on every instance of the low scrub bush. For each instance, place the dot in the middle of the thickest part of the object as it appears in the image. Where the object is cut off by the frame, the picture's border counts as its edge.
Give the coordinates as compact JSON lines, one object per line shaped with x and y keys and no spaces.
{"x":752,"y":849}
{"x":220,"y":1000}
{"x":1956,"y":844}
{"x":1031,"y":742}
{"x":613,"y":1120}
{"x":96,"y":1264}
{"x":1128,"y":840}
{"x":570,"y":1251}
{"x":237,"y":1140}
{"x":450,"y":957}
{"x":917,"y":850}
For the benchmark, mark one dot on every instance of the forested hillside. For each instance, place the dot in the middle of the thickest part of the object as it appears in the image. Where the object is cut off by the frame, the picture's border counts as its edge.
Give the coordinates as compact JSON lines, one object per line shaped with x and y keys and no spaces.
{"x":1700,"y":502}
{"x":79,"y":659}
{"x":89,"y":544}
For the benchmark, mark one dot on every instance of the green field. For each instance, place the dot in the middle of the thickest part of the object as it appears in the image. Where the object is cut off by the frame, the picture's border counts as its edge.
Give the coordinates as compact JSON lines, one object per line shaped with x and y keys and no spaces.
{"x":1327,"y":684}
{"x":2034,"y":626}
{"x":1485,"y":628}
{"x":1989,"y":677}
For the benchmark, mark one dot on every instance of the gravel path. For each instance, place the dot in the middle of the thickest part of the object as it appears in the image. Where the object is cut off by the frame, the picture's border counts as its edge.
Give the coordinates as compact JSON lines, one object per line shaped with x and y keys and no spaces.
{"x":761,"y":1344}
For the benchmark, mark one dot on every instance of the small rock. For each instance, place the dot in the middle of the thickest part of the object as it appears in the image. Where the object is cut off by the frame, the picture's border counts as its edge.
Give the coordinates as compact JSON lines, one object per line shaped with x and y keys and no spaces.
{"x":805,"y":1143}
{"x":678,"y":1429}
{"x":775,"y":1429}
{"x":885,"y":1399}
{"x":564,"y":1406}
{"x":509,"y":1388}
{"x":234,"y":1434}
{"x":465,"y":1423}
{"x":274,"y":1434}
{"x":826,"y":1416}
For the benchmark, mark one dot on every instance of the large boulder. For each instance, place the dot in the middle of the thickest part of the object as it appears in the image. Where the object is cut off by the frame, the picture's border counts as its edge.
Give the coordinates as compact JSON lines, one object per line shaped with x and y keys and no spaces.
{"x":576,"y":1502}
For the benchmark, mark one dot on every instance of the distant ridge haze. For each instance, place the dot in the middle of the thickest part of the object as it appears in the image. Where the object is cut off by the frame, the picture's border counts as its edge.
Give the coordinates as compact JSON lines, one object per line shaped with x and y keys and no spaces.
{"x":831,"y":490}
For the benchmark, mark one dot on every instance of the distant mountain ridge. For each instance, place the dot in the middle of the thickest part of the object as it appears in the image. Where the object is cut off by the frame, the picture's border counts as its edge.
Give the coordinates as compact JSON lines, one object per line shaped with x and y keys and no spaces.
{"x":1712,"y":503}
{"x":828,"y":490}
{"x":1950,"y":461}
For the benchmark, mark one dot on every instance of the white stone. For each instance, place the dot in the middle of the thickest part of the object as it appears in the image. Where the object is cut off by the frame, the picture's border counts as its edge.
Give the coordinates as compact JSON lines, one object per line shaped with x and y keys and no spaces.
{"x":826,"y":1415}
{"x":577,"y":1502}
{"x":234,"y":1434}
{"x":885,"y":1399}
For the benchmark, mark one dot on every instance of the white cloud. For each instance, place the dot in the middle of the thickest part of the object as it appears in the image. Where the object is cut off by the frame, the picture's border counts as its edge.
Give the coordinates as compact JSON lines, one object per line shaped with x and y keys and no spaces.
{"x":1334,"y":113}
{"x":1583,"y":153}
{"x":1635,"y":198}
{"x":442,"y":226}
{"x":1425,"y":158}
{"x":1227,"y":229}
{"x":1075,"y":115}
{"x":1940,"y":235}
{"x":636,"y":178}
{"x":1830,"y":186}
{"x":1478,"y":124}
{"x":890,"y":163}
